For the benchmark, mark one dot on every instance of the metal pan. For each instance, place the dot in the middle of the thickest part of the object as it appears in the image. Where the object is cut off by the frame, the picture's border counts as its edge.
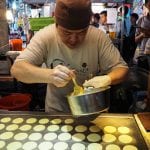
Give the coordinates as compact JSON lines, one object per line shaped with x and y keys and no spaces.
{"x":91,"y":103}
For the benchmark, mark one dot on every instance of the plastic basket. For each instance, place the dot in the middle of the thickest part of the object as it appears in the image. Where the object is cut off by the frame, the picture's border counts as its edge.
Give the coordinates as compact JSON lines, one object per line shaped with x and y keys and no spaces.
{"x":15,"y":102}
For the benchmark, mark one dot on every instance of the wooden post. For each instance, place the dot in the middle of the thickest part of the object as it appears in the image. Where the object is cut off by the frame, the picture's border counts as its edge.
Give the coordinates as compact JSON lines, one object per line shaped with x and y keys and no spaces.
{"x":4,"y":42}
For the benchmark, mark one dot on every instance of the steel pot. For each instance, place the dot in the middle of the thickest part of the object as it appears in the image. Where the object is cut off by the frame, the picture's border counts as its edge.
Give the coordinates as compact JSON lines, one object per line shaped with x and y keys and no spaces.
{"x":92,"y":102}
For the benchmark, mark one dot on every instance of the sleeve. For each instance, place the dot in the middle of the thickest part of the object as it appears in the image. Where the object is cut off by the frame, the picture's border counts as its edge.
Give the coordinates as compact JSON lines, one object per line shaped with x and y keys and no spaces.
{"x":109,"y":55}
{"x":36,"y":51}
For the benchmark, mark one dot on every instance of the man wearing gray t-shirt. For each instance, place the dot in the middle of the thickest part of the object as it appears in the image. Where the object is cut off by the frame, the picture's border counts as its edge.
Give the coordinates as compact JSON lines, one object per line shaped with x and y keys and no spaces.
{"x":69,"y":48}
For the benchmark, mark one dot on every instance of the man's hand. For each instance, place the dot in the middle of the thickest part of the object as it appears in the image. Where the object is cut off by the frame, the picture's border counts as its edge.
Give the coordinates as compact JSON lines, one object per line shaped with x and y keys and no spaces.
{"x":61,"y":75}
{"x":98,"y":81}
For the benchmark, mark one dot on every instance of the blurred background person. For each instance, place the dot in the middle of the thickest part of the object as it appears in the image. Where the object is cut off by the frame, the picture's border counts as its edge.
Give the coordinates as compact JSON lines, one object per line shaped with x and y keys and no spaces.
{"x":123,"y":29}
{"x":133,"y":18}
{"x":143,"y":30}
{"x":95,"y":20}
{"x":103,"y":22}
{"x":103,"y":17}
{"x":143,"y":61}
{"x":123,"y":18}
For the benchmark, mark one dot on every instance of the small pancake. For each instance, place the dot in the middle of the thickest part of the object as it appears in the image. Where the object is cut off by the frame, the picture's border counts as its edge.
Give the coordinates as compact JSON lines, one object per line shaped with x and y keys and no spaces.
{"x":108,"y":138}
{"x":53,"y":128}
{"x":64,"y":136}
{"x":32,"y":145}
{"x":2,"y":144}
{"x":78,"y":137}
{"x":31,"y":120}
{"x":130,"y":147}
{"x":18,"y":120}
{"x":60,"y":146}
{"x":112,"y":147}
{"x":44,"y":121}
{"x":110,"y":129}
{"x":123,"y":130}
{"x":94,"y":128}
{"x":69,"y":121}
{"x":95,"y":146}
{"x":56,"y":121}
{"x":50,"y":136}
{"x":39,"y":128}
{"x":66,"y":128}
{"x":14,"y":146}
{"x":93,"y":137}
{"x":6,"y":135}
{"x":78,"y":146}
{"x":80,"y":128}
{"x":12,"y":127}
{"x":45,"y":146}
{"x":125,"y":139}
{"x":35,"y":136}
{"x":25,"y":127}
{"x":21,"y":136}
{"x":5,"y":119}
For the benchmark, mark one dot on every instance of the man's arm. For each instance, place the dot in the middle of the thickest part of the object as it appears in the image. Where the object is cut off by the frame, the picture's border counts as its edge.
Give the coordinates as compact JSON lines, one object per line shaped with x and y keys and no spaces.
{"x":118,"y":75}
{"x":139,"y":37}
{"x":28,"y":73}
{"x":114,"y":77}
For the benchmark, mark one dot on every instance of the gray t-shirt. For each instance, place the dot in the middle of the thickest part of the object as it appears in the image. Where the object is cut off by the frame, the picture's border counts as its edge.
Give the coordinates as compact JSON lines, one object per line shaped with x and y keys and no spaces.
{"x":96,"y":54}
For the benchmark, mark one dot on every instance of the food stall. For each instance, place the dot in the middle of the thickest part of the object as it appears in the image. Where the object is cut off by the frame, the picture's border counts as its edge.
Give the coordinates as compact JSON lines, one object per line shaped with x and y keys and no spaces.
{"x":40,"y":130}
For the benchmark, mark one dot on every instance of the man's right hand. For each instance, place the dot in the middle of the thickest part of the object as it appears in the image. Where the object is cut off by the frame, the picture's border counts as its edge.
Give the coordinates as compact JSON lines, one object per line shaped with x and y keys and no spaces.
{"x":61,"y":75}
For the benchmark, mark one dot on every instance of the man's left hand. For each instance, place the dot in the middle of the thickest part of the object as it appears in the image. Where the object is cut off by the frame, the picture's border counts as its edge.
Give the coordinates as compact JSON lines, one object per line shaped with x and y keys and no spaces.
{"x":98,"y":81}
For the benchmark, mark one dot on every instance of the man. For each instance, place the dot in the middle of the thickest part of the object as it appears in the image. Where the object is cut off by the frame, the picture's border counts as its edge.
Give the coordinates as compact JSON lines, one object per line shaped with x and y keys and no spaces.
{"x":147,"y":32}
{"x":123,"y":21}
{"x":70,"y":48}
{"x":132,"y":44}
{"x":103,"y":21}
{"x":143,"y":38}
{"x":95,"y":21}
{"x":103,"y":17}
{"x":123,"y":28}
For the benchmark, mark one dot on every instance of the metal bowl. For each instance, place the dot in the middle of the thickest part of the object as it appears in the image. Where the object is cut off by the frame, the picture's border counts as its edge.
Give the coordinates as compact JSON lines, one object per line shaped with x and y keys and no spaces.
{"x":92,"y":102}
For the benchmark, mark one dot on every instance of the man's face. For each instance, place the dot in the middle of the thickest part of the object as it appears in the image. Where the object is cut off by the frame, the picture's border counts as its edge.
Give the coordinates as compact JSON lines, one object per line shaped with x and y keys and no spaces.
{"x":103,"y":19}
{"x":72,"y":38}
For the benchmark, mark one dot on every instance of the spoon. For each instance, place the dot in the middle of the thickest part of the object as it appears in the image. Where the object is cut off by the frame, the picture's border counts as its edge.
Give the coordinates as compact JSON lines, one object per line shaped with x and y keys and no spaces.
{"x":77,"y":89}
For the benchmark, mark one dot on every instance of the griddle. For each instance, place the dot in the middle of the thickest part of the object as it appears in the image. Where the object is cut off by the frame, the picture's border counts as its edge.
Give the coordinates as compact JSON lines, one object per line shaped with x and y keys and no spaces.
{"x":125,"y":120}
{"x":101,"y":121}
